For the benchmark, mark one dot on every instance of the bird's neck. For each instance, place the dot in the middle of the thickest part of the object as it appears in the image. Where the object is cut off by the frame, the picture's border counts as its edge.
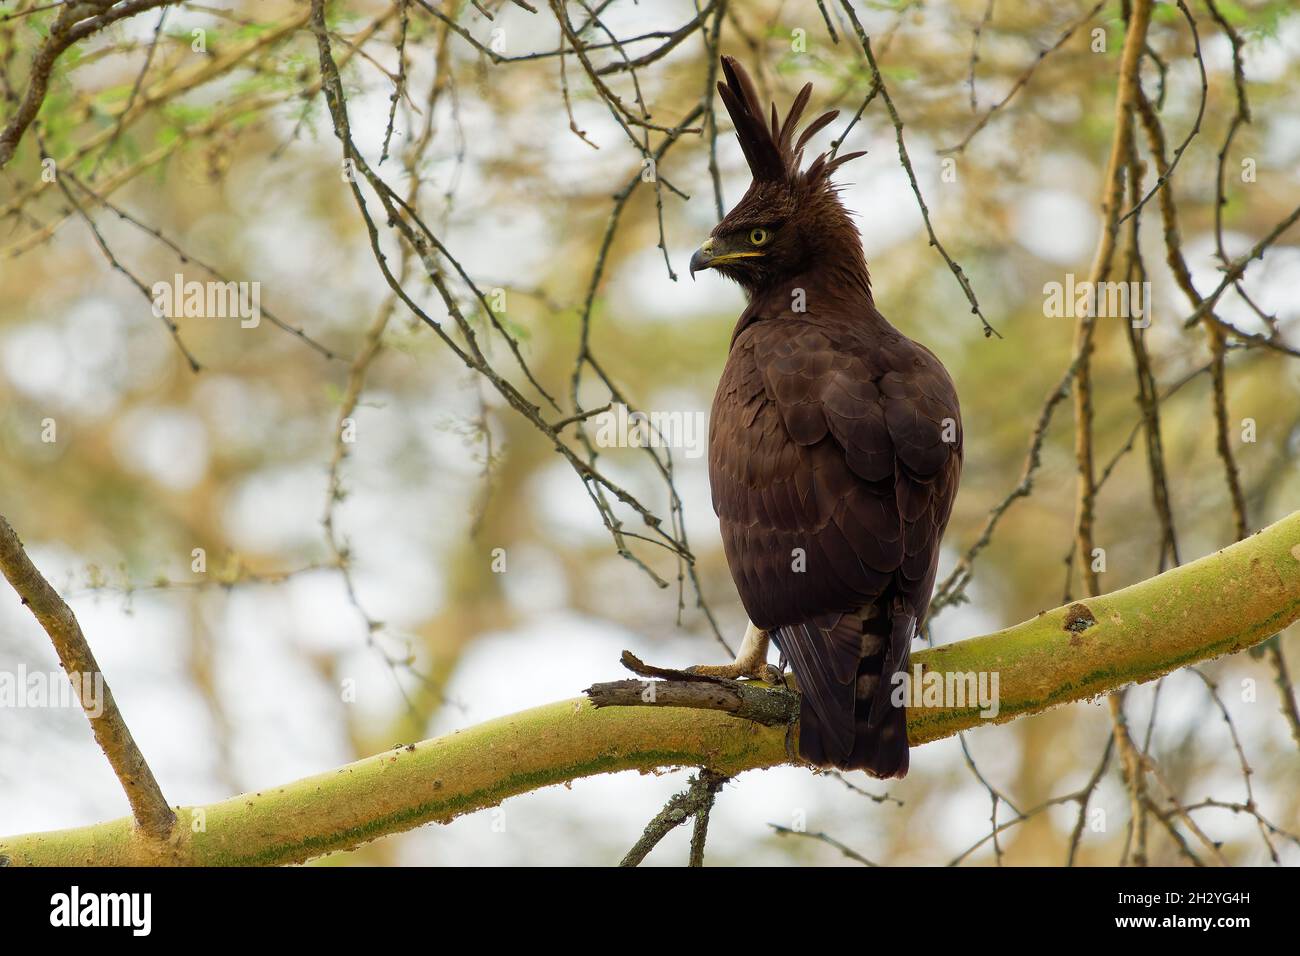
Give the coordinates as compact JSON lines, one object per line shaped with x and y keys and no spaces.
{"x":842,"y":281}
{"x":830,"y":291}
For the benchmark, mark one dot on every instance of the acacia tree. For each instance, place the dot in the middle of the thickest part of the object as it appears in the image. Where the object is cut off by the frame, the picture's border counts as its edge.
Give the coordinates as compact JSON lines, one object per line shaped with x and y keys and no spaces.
{"x":1160,"y":107}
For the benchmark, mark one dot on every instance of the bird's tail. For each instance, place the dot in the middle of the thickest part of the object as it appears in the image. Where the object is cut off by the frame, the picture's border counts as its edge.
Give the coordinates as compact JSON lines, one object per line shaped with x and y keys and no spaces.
{"x":844,"y":664}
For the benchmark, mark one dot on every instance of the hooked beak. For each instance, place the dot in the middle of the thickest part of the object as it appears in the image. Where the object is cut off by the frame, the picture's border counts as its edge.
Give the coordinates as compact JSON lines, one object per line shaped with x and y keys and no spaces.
{"x":706,"y":258}
{"x":702,"y":258}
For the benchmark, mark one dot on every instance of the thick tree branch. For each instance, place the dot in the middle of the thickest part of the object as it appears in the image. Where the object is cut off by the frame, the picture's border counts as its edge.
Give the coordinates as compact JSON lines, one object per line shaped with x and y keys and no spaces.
{"x":1223,"y":603}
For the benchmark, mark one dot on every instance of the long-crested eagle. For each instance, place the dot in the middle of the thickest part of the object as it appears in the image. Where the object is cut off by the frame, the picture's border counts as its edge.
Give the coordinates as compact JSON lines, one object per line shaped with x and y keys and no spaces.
{"x":835,"y":448}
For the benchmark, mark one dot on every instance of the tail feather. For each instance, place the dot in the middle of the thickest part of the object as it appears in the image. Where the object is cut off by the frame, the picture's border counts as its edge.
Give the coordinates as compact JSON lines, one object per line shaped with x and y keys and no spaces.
{"x":844,"y":664}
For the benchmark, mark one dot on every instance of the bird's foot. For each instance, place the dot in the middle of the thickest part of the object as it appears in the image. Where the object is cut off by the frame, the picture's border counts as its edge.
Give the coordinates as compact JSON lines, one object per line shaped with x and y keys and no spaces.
{"x":751,"y":661}
{"x":737,"y":669}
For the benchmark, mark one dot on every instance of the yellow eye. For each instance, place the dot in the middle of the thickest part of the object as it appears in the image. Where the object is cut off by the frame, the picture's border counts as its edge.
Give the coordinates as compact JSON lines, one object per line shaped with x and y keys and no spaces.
{"x":758,"y":236}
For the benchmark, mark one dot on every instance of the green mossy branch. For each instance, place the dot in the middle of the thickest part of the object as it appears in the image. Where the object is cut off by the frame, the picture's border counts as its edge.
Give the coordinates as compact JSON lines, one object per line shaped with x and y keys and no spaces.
{"x":1223,"y":603}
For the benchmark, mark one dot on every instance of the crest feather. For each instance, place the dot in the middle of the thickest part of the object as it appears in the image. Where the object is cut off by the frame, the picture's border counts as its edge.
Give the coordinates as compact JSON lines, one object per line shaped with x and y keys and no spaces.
{"x":770,"y":149}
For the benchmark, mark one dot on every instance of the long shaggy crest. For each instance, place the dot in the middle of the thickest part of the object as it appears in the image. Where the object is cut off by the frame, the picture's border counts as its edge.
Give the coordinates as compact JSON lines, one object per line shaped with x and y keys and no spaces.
{"x":773,"y":153}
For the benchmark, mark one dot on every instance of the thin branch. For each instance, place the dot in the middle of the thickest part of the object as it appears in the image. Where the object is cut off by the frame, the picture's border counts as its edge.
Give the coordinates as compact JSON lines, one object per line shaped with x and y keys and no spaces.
{"x":1163,"y":179}
{"x":151,"y":812}
{"x":826,"y":838}
{"x":695,"y":801}
{"x":72,"y":24}
{"x":877,"y":81}
{"x":1020,"y":82}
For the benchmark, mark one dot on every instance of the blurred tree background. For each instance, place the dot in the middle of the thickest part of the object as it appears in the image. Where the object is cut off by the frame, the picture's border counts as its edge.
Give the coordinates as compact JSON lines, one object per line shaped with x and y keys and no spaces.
{"x":389,"y":548}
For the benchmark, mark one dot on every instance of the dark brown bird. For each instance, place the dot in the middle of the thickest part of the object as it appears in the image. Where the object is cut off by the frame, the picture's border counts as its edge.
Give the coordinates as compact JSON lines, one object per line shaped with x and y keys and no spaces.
{"x":835,"y":448}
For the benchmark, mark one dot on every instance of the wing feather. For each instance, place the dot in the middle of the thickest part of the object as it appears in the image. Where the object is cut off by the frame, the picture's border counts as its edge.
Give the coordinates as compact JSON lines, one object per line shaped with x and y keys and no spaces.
{"x":846,"y":449}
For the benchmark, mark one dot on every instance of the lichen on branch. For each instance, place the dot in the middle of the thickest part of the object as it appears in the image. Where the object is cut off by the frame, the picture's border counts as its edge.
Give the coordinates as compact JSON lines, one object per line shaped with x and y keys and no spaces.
{"x":1225,"y":602}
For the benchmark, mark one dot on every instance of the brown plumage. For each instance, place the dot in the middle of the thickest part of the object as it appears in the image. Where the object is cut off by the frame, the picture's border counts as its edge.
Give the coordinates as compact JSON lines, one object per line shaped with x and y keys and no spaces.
{"x":835,"y":445}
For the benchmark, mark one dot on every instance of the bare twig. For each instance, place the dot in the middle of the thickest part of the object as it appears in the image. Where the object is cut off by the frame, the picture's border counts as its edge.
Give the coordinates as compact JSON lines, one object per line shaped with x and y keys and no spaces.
{"x":878,"y":82}
{"x":152,"y":814}
{"x":696,"y":801}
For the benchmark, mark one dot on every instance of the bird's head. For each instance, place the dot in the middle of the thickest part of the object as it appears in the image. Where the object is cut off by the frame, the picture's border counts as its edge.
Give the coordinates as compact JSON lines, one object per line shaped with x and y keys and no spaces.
{"x":790,"y":220}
